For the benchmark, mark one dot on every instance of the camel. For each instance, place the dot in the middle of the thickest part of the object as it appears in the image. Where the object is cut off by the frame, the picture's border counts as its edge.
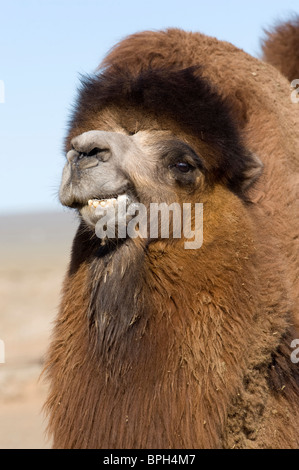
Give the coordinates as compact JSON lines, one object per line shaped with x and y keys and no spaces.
{"x":155,"y":345}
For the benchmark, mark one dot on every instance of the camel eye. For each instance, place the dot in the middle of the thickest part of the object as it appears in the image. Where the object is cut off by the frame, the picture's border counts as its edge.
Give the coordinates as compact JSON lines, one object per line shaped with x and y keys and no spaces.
{"x":184,"y":167}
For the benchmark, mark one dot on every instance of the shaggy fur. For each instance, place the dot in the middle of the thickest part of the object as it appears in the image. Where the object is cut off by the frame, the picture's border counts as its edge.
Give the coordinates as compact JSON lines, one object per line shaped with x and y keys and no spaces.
{"x":156,"y":346}
{"x":280,"y":48}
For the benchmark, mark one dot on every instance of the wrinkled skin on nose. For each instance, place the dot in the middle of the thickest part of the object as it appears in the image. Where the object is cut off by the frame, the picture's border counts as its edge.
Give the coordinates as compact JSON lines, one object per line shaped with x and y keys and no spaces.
{"x":94,"y":167}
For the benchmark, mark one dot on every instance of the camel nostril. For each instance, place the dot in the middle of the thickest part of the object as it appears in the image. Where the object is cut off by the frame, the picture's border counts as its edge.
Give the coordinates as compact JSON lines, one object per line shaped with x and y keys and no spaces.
{"x":101,"y":154}
{"x":75,"y":156}
{"x":95,"y":151}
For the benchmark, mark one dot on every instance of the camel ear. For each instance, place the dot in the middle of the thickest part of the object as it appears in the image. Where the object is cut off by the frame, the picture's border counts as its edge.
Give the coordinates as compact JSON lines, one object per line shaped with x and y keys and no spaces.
{"x":254,"y":169}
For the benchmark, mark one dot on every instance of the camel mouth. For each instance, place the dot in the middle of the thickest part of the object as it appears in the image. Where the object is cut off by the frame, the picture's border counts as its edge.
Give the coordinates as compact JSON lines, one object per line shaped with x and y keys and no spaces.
{"x":106,"y":202}
{"x":97,"y":208}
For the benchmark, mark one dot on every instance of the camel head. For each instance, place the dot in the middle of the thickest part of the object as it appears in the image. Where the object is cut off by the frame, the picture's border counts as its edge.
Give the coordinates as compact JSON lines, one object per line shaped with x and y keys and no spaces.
{"x":159,"y":138}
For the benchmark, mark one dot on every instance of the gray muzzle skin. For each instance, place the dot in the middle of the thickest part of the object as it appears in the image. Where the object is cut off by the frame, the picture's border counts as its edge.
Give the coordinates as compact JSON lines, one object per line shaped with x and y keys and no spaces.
{"x":97,"y":167}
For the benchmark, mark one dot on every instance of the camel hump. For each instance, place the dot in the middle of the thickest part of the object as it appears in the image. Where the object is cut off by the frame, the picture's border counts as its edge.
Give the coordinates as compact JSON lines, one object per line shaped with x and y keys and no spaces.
{"x":280,"y":47}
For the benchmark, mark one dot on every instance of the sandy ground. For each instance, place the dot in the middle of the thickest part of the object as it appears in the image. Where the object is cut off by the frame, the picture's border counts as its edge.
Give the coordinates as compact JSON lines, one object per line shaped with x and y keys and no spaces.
{"x":34,"y":252}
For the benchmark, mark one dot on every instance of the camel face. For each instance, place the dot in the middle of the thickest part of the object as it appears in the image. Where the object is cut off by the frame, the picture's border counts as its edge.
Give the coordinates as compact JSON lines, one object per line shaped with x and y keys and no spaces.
{"x":132,"y":142}
{"x":106,"y":170}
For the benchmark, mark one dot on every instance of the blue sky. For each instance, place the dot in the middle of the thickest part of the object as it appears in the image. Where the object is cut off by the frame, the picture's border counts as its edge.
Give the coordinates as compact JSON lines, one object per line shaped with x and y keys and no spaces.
{"x":44,"y":47}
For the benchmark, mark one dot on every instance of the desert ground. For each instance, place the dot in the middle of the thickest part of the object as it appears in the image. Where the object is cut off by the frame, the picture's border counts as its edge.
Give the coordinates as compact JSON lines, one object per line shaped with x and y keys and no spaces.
{"x":34,"y":253}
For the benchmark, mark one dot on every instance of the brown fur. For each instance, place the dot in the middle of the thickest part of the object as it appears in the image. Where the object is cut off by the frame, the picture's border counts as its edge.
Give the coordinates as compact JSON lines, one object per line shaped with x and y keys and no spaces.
{"x":160,"y":347}
{"x":280,"y":48}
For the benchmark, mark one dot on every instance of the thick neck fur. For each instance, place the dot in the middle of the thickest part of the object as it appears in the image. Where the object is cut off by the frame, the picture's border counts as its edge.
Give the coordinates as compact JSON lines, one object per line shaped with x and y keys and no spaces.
{"x":162,"y":348}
